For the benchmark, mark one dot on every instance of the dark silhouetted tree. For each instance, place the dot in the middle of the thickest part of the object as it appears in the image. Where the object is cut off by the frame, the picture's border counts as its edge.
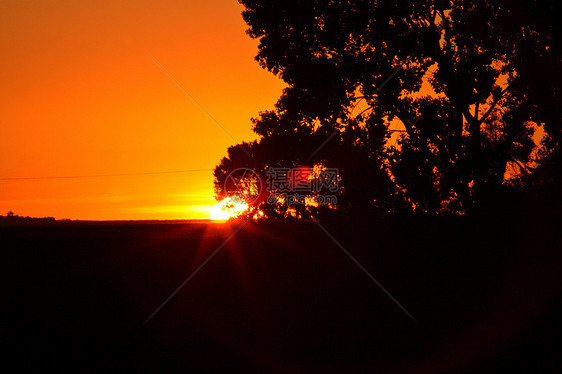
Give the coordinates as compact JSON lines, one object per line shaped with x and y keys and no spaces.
{"x":455,"y":96}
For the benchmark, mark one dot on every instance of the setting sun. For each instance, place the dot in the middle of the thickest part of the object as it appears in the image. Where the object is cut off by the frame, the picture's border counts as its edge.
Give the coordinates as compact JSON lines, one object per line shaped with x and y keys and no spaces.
{"x":227,"y":208}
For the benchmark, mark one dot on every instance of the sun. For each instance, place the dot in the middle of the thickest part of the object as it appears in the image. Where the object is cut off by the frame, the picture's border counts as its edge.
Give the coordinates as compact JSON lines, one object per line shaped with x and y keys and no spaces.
{"x":227,"y":208}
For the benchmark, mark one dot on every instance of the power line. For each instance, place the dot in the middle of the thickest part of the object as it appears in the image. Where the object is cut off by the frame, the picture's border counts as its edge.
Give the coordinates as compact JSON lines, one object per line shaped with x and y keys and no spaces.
{"x":106,"y":175}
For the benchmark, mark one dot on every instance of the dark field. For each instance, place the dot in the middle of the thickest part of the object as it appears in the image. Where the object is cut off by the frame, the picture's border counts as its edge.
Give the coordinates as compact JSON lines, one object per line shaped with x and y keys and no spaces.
{"x":284,"y":298}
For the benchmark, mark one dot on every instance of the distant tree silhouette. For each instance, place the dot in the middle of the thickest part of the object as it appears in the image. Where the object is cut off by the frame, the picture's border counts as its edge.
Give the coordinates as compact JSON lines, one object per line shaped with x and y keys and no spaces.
{"x":431,"y":105}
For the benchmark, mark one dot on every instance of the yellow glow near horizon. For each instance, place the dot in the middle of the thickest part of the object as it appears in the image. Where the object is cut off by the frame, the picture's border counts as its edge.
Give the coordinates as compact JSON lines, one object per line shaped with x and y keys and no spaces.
{"x":82,"y":96}
{"x":227,"y":208}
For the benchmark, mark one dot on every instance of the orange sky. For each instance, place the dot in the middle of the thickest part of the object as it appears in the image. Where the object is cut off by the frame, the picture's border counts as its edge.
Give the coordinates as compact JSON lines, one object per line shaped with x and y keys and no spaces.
{"x":81,"y":95}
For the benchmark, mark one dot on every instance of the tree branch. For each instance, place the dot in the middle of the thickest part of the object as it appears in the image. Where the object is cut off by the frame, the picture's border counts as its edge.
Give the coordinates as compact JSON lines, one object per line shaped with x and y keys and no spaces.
{"x":522,"y":166}
{"x":492,"y":106}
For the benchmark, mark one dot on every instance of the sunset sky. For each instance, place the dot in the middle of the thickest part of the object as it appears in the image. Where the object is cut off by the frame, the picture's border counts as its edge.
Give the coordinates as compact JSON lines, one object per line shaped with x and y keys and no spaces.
{"x":82,"y":96}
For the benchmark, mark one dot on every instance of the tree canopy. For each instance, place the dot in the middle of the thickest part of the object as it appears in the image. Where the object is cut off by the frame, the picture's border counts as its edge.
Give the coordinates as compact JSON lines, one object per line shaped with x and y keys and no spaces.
{"x":429,"y":105}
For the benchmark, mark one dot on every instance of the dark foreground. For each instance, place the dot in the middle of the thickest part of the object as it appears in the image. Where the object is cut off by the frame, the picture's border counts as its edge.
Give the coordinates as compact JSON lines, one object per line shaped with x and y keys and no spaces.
{"x":284,"y":298}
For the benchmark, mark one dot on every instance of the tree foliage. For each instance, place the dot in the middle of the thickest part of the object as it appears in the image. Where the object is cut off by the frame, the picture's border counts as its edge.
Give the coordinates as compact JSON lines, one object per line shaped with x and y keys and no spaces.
{"x":434,"y":105}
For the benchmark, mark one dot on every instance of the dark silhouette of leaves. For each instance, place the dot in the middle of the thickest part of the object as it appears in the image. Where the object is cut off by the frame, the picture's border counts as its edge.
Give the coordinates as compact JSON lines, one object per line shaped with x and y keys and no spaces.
{"x":437,"y":106}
